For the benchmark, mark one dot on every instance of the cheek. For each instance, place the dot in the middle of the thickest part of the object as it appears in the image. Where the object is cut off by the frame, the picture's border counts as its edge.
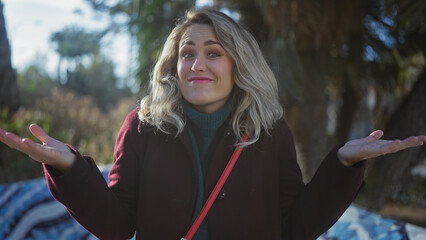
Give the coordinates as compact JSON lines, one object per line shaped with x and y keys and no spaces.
{"x":225,"y":68}
{"x":182,"y":69}
{"x":229,"y":74}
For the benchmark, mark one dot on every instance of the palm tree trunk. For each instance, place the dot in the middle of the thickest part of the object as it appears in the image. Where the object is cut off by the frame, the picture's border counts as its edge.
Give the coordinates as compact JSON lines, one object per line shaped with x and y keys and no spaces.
{"x":9,"y":97}
{"x":390,"y":177}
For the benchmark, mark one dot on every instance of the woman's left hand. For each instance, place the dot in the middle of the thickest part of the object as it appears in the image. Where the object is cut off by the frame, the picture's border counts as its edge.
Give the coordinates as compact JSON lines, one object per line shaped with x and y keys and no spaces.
{"x":372,"y":146}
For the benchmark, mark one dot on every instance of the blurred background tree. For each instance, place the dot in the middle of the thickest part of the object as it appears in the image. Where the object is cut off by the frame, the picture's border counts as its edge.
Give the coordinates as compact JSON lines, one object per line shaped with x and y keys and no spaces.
{"x":344,"y":68}
{"x":85,"y":108}
{"x":8,"y":87}
{"x":97,"y":78}
{"x":149,"y":23}
{"x":73,"y":43}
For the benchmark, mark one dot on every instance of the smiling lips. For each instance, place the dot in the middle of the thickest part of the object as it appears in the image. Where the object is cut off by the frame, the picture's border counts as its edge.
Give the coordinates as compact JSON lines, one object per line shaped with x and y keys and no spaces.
{"x":199,"y":79}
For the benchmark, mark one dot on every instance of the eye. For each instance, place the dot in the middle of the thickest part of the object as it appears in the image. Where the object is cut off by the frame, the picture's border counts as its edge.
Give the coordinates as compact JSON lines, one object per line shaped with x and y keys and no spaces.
{"x":186,"y":55}
{"x":213,"y":54}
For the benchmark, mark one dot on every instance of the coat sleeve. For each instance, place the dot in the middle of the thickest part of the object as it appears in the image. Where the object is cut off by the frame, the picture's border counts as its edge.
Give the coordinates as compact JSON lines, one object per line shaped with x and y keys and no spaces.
{"x":107,"y":211}
{"x":310,"y":210}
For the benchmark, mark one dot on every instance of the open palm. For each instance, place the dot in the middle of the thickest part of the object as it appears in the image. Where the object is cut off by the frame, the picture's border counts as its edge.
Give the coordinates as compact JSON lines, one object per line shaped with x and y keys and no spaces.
{"x":372,"y":146}
{"x":51,"y":152}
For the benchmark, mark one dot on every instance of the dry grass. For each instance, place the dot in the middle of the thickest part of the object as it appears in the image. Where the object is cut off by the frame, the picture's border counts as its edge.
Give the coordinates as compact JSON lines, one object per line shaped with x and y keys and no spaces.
{"x":411,"y":213}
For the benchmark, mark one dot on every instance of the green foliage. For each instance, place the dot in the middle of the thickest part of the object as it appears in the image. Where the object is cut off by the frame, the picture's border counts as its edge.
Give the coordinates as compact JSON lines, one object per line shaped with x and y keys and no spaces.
{"x":15,"y":165}
{"x":68,"y":117}
{"x":149,"y":22}
{"x":77,"y":120}
{"x":73,"y":42}
{"x":34,"y":83}
{"x":97,"y":77}
{"x":74,"y":117}
{"x":99,"y":81}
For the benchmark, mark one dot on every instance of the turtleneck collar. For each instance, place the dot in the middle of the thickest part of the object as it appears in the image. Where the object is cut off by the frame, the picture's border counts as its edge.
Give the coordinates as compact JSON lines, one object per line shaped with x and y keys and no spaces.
{"x":207,"y":121}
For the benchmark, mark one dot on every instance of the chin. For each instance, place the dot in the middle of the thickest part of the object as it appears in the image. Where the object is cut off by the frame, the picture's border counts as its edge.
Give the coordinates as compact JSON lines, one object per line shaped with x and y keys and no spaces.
{"x":198,"y":102}
{"x":198,"y":99}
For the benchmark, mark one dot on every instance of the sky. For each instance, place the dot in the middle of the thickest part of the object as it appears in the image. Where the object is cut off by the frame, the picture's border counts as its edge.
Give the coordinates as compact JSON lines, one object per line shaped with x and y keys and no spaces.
{"x":29,"y":24}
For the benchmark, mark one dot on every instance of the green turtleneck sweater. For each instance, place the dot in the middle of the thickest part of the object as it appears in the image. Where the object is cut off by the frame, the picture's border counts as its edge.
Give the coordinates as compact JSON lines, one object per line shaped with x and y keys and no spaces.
{"x":204,"y":131}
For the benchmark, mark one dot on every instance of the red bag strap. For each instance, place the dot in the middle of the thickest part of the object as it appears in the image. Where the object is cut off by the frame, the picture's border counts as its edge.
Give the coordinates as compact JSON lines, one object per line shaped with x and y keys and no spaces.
{"x":216,"y":190}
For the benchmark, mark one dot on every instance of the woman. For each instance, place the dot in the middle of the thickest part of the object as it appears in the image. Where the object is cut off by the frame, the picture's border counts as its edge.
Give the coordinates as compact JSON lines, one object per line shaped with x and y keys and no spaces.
{"x":210,"y":85}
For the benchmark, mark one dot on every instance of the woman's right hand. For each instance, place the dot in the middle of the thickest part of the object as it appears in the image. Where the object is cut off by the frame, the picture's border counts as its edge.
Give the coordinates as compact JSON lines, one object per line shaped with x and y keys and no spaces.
{"x":52,"y":152}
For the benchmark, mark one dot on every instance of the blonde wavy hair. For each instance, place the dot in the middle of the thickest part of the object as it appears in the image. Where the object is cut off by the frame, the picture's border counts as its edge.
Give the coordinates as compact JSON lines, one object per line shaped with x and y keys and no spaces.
{"x":255,"y":104}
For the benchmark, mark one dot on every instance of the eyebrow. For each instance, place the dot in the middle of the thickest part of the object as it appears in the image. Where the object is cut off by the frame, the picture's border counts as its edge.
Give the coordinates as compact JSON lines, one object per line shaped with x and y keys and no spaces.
{"x":206,"y":43}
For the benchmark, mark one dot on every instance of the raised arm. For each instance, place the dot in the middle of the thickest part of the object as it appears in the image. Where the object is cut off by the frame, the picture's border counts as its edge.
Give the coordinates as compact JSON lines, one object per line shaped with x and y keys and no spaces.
{"x":74,"y":179}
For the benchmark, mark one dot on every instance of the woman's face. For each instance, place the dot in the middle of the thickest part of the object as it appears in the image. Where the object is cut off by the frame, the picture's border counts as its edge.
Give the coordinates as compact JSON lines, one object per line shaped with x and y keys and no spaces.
{"x":205,"y":69}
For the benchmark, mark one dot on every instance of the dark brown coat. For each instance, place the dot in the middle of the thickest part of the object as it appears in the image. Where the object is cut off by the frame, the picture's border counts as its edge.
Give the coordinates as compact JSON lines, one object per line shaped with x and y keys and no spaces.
{"x":153,"y":189}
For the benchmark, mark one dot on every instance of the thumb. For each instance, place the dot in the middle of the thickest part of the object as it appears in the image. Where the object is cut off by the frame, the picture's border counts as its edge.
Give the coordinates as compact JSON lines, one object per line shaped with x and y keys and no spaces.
{"x":39,"y":133}
{"x":374,"y":136}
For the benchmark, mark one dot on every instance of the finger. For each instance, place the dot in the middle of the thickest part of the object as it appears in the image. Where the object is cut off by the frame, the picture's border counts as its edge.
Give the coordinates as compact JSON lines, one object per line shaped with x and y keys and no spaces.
{"x":381,"y":147}
{"x":398,"y":145}
{"x":50,"y":155}
{"x":30,"y":146}
{"x":392,"y":147}
{"x":37,"y":151}
{"x":2,"y":133}
{"x":13,"y":141}
{"x":374,"y":136}
{"x":39,"y":133}
{"x":413,"y":141}
{"x":422,"y":138}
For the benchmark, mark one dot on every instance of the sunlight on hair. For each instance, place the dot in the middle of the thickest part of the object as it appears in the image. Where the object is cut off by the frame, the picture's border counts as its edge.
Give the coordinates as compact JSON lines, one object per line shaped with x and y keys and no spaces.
{"x":204,"y":3}
{"x":233,"y":14}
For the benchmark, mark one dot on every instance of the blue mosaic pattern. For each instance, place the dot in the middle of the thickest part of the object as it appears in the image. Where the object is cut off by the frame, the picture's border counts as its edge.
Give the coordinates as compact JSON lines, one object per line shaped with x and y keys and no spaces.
{"x":28,"y":211}
{"x":357,"y":223}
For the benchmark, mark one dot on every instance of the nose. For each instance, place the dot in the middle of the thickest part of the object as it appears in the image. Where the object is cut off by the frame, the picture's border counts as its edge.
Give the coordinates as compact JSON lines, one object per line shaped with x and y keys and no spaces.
{"x":199,"y":64}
